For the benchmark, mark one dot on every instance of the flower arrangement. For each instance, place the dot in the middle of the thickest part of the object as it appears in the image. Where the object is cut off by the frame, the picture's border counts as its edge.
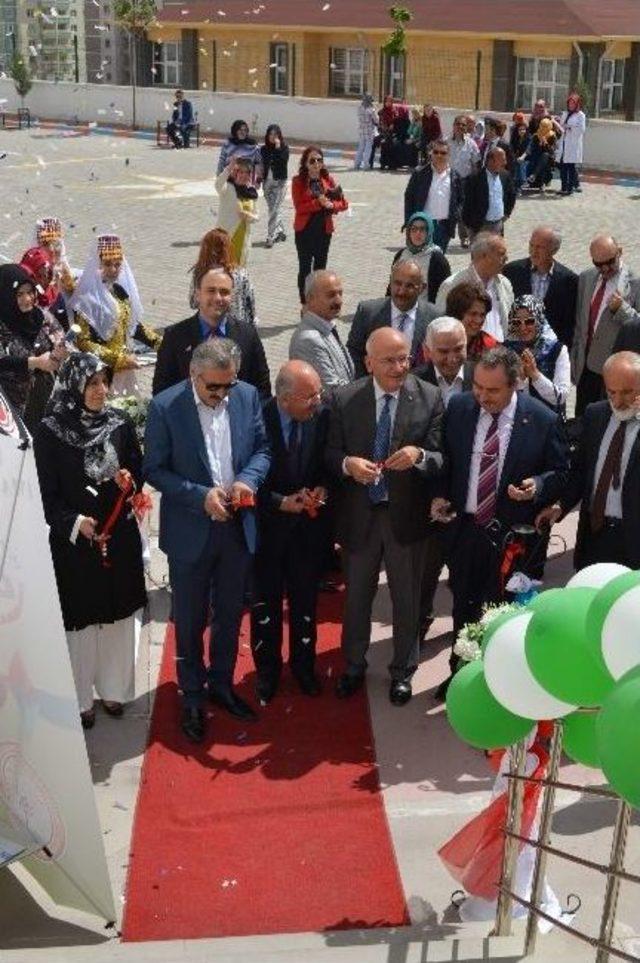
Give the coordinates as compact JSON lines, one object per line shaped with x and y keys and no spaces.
{"x":468,"y":645}
{"x":136,"y":409}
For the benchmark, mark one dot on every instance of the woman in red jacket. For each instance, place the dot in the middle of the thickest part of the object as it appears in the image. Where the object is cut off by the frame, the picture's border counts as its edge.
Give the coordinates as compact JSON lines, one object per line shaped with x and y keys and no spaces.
{"x":316,"y":198}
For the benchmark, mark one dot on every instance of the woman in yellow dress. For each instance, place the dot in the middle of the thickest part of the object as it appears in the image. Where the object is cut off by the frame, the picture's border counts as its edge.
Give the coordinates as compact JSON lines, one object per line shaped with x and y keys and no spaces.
{"x":237,"y":203}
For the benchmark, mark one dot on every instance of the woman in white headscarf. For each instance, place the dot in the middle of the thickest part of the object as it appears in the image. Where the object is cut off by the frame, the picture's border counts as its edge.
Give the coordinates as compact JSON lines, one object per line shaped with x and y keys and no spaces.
{"x":108,"y":310}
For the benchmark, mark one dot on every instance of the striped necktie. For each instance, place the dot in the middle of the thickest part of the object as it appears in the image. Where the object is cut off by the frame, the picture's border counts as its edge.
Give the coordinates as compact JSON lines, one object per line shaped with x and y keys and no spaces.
{"x":488,"y":477}
{"x":379,"y":491}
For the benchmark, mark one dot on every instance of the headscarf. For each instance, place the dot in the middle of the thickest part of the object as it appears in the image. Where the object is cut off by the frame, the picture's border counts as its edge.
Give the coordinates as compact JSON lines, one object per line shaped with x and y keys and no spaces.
{"x":69,"y":420}
{"x":428,"y":247}
{"x":387,"y":113}
{"x":367,"y":100}
{"x":235,"y":127}
{"x":545,"y":130}
{"x":49,"y":232}
{"x":545,"y":344}
{"x":25,"y":324}
{"x":33,"y":261}
{"x":93,"y":298}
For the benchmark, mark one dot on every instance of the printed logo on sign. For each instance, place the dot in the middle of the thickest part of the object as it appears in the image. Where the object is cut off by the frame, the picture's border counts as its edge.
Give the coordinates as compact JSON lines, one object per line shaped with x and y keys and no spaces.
{"x":8,"y":424}
{"x":29,"y":803}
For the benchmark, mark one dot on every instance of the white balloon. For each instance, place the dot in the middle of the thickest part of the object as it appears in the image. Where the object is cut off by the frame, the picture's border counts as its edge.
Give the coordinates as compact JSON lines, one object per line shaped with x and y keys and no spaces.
{"x":509,"y":677}
{"x":595,"y":576}
{"x":620,"y":637}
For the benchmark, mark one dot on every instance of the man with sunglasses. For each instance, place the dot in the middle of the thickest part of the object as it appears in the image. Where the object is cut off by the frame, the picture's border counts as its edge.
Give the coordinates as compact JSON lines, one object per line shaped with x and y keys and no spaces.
{"x":206,"y":451}
{"x":436,"y":190}
{"x":608,"y":298}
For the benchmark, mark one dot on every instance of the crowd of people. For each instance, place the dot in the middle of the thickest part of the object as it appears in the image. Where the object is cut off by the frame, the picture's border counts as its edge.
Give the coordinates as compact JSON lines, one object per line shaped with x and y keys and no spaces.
{"x":437,"y":434}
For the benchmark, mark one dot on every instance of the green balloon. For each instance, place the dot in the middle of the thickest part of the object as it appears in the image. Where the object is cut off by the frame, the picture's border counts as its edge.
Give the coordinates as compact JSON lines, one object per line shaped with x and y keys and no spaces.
{"x":618,"y":737}
{"x":477,"y":717}
{"x":559,"y":653}
{"x":604,"y":599}
{"x":579,"y":738}
{"x":541,"y":600}
{"x":496,"y":622}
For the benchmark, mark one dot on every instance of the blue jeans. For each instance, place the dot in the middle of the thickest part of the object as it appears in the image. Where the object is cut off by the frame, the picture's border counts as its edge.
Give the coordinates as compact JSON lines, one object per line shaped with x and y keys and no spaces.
{"x":441,"y":235}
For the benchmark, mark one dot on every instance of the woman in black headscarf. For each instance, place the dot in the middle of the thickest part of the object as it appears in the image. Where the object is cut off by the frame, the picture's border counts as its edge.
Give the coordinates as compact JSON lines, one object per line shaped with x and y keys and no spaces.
{"x":31,"y":347}
{"x":90,"y":464}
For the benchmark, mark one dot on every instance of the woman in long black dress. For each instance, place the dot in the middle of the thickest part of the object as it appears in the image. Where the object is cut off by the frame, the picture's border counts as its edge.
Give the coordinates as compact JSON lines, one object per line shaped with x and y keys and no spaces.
{"x":31,"y":345}
{"x":87,"y":455}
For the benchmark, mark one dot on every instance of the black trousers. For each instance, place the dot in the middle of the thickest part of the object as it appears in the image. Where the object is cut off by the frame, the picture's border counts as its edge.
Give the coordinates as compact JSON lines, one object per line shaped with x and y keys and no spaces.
{"x":312,"y":245}
{"x":590,"y":388}
{"x":473,"y":561}
{"x":287,"y":564}
{"x":607,"y":545}
{"x":179,"y":136}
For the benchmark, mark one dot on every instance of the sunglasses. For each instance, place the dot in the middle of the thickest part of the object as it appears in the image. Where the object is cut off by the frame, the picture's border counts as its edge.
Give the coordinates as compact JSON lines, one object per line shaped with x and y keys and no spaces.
{"x":524,"y":322}
{"x":608,"y":263}
{"x":440,"y":153}
{"x":315,"y":160}
{"x":212,"y":386}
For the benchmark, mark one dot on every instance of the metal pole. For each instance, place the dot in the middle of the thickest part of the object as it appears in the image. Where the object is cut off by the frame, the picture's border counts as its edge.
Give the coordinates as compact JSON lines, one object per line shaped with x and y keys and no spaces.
{"x":75,"y":56}
{"x":540,"y":865}
{"x":612,"y":891}
{"x":515,"y":797}
{"x":478,"y":65}
{"x":134,"y":71}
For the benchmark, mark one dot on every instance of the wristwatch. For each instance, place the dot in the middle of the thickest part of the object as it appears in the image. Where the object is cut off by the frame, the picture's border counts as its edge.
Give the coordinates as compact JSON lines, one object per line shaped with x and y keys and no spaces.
{"x":421,"y":457}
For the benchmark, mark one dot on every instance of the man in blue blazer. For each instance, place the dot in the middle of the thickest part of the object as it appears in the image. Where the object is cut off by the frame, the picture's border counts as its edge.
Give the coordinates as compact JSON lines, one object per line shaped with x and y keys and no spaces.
{"x":182,"y":121}
{"x":507,"y":458}
{"x":206,"y":451}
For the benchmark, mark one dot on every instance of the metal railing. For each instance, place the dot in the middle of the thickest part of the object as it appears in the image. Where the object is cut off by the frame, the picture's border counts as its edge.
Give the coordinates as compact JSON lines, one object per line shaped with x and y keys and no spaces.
{"x":614,"y":870}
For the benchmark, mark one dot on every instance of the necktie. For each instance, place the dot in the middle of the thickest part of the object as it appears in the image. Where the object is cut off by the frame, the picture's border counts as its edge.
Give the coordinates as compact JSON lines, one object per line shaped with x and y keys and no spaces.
{"x":295,"y":448}
{"x":610,"y":475}
{"x":488,"y":477}
{"x":594,"y":311}
{"x":402,"y":322}
{"x":382,"y":442}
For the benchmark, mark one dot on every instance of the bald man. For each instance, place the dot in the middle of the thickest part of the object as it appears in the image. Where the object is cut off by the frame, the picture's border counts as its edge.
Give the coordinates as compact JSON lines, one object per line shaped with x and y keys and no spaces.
{"x":546,"y":278}
{"x":608,"y":297}
{"x":291,"y":510}
{"x":383,"y":451}
{"x":605,"y":477}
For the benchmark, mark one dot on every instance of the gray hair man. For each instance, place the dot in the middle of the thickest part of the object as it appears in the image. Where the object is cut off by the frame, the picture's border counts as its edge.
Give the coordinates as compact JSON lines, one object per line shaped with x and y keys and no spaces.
{"x":316,"y":339}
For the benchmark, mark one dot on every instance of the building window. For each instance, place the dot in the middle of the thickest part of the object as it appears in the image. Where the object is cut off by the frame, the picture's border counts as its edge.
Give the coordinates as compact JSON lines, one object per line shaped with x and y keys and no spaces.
{"x":612,"y":85}
{"x":348,"y":71}
{"x":167,"y":63}
{"x":393,"y":73}
{"x":279,"y":68}
{"x":540,"y":78}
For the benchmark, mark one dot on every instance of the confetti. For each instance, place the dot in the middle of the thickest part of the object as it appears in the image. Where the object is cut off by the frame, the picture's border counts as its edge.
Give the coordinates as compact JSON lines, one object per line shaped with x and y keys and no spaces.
{"x":221,"y":13}
{"x":255,"y":83}
{"x":326,"y":7}
{"x":53,"y":12}
{"x":252,"y":70}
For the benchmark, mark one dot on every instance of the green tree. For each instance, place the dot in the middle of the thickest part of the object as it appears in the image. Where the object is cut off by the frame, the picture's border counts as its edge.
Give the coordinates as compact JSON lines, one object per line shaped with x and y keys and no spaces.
{"x":397,"y":42}
{"x":134,"y":16}
{"x":21,"y":75}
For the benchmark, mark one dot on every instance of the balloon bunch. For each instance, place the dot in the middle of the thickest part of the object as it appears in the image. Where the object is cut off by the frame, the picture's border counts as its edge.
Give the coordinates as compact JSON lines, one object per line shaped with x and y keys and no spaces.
{"x":567,"y":648}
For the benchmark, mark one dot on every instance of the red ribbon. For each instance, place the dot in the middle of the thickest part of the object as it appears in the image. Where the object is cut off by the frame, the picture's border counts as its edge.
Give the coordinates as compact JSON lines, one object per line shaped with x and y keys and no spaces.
{"x":243,"y":500}
{"x":511,"y":553}
{"x":115,"y":513}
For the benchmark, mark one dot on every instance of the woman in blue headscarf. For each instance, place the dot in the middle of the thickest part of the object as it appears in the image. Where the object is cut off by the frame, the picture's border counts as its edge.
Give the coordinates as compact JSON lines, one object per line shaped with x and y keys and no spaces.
{"x":420,"y":248}
{"x":546,"y":372}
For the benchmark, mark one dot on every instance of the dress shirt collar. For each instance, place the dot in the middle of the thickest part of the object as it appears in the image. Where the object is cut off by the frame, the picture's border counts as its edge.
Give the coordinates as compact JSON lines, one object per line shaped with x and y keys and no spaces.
{"x":324,"y":325}
{"x":396,"y":313}
{"x":200,"y":404}
{"x":207,"y":330}
{"x":380,"y":392}
{"x":508,"y":413}
{"x":459,"y":378}
{"x":485,"y":284}
{"x":543,"y":274}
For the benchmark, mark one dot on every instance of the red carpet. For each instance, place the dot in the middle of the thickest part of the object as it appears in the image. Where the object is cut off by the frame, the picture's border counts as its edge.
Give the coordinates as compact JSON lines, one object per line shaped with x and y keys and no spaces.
{"x":274,"y":827}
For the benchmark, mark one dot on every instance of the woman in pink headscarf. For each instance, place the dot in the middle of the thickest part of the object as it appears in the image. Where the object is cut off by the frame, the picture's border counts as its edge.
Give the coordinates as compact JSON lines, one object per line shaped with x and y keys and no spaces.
{"x":38,"y":262}
{"x":569,"y":152}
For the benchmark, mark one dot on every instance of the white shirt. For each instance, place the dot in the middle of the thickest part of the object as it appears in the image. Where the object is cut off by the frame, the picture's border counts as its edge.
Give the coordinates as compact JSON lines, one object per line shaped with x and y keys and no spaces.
{"x":505,"y":427}
{"x":556,"y":391}
{"x":493,"y":322}
{"x":610,"y":289}
{"x":613,"y":507}
{"x":393,"y":406}
{"x":448,"y":390}
{"x":410,"y":323}
{"x":437,"y":205}
{"x":216,"y":431}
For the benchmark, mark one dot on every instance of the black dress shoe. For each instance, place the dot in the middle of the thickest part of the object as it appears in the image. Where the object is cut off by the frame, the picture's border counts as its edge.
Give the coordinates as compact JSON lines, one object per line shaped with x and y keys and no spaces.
{"x":441,"y":692}
{"x":309,"y":684}
{"x":348,"y":684}
{"x":192,"y":724}
{"x":265,"y":690}
{"x":234,"y":705}
{"x":400,"y":692}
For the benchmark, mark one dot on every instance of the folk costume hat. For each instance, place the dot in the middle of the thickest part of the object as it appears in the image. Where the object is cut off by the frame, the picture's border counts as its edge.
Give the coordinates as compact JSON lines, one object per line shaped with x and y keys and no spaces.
{"x":94,"y":298}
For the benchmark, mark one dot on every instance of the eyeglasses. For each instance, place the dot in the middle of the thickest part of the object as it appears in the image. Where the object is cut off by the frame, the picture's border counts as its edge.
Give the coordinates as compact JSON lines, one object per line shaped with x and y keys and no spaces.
{"x":212,"y":386}
{"x":523,"y":322}
{"x":315,"y":160}
{"x":402,"y":360}
{"x":608,"y":263}
{"x":440,"y":153}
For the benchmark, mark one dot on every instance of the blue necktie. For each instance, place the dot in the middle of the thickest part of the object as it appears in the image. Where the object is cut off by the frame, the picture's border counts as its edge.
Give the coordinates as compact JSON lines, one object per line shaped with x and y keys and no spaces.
{"x":379,"y":492}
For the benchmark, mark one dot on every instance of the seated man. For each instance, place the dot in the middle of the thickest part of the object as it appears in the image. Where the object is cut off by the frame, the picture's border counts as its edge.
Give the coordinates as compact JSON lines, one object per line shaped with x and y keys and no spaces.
{"x":182,"y":121}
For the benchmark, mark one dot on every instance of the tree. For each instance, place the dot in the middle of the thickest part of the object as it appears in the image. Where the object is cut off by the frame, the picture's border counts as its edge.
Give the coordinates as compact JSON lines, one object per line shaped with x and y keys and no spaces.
{"x":397,"y":42}
{"x":134,"y":16}
{"x":21,"y":75}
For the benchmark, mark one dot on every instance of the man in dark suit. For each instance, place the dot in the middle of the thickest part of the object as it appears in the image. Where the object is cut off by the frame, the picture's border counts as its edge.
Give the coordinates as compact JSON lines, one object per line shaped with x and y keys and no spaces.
{"x":506,"y":459}
{"x":436,"y":190}
{"x":206,"y":451}
{"x":547,"y":279}
{"x":182,"y":121}
{"x":291,"y":530}
{"x":213,"y":294}
{"x":404,"y":310}
{"x":494,"y":136}
{"x":605,"y":474}
{"x":383,"y":448}
{"x":489,"y":195}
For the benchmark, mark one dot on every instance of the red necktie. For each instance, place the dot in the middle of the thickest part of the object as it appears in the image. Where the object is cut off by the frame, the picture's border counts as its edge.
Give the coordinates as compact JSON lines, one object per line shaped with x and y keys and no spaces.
{"x":594,"y":311}
{"x":488,"y":477}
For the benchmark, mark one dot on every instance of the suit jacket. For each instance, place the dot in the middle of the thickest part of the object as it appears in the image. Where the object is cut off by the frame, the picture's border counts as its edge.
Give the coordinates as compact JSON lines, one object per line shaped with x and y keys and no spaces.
{"x":352,"y":430}
{"x":376,"y":313}
{"x":176,"y":463}
{"x":582,"y":481}
{"x":313,"y":342}
{"x":427,"y":372}
{"x":628,"y":338}
{"x":476,"y":198}
{"x":174,"y":354}
{"x":503,"y":289}
{"x":417,"y":192}
{"x":187,"y":114}
{"x":537,"y":448}
{"x":608,"y":326}
{"x":279,"y":481}
{"x":560,"y":299}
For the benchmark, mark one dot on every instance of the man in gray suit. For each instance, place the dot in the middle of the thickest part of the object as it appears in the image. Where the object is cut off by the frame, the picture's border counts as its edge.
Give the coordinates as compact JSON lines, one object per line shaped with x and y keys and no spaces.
{"x":383,"y":449}
{"x":608,"y":296}
{"x":488,"y":257}
{"x":406,"y":311}
{"x":316,"y":340}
